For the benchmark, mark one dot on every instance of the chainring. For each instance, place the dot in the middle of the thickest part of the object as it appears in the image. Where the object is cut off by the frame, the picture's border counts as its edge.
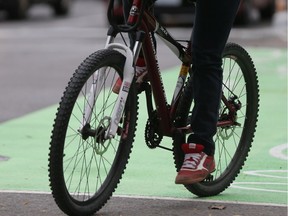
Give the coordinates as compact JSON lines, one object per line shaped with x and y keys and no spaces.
{"x":153,"y":137}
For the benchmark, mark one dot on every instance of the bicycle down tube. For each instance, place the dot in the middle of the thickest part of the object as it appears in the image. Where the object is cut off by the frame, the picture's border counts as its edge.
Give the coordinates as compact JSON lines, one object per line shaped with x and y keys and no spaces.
{"x":165,"y":112}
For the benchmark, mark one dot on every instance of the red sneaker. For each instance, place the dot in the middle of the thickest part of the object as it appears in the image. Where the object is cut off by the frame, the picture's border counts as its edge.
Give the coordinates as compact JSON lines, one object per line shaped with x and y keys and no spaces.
{"x":196,"y":166}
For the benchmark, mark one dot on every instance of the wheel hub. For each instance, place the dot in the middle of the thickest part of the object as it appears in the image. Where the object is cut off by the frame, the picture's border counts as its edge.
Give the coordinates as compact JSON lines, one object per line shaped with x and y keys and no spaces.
{"x":100,"y":143}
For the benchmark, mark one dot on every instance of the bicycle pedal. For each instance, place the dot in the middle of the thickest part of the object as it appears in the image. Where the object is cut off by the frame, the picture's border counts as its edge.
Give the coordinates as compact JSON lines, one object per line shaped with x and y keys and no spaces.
{"x":209,"y":178}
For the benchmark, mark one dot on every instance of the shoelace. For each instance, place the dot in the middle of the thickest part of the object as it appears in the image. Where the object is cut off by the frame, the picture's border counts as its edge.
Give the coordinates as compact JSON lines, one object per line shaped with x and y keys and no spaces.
{"x":191,"y":164}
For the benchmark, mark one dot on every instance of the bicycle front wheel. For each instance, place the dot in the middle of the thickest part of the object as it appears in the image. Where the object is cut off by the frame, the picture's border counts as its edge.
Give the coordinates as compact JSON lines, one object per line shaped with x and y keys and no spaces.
{"x":84,"y":165}
{"x":239,"y":105}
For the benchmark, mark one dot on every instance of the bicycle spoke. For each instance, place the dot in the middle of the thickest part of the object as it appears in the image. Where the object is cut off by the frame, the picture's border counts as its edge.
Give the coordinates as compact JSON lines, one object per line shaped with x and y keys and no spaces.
{"x":236,"y":123}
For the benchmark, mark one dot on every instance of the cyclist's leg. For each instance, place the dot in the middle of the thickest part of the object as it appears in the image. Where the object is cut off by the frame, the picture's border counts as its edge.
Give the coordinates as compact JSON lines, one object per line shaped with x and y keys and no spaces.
{"x":212,"y":25}
{"x":213,"y":22}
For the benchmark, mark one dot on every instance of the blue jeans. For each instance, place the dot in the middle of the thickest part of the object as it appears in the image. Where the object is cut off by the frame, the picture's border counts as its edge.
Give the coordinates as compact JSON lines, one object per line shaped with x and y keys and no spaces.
{"x":213,"y":22}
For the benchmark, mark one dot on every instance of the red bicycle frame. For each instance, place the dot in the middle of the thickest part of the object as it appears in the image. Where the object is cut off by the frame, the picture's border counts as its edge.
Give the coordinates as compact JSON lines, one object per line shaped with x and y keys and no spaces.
{"x":148,"y":25}
{"x":141,"y":20}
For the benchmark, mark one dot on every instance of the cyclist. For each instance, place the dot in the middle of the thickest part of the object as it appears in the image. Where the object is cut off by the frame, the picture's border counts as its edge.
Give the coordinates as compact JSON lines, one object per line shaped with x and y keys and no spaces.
{"x":213,"y":22}
{"x":212,"y":25}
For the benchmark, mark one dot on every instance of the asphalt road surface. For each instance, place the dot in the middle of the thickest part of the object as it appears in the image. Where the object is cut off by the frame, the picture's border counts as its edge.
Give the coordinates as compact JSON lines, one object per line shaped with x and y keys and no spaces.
{"x":39,"y":204}
{"x":37,"y":58}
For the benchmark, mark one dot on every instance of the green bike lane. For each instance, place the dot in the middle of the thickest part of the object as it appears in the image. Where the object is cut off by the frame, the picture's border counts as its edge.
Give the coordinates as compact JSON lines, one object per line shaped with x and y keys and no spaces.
{"x":25,"y":141}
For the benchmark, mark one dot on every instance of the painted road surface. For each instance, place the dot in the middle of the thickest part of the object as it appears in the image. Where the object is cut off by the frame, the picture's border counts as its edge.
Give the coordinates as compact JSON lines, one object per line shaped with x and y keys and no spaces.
{"x":25,"y":141}
{"x":37,"y":57}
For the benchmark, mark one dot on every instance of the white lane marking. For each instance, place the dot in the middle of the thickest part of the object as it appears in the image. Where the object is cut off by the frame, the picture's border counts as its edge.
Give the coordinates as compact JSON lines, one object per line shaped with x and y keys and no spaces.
{"x":238,"y":185}
{"x":261,"y":173}
{"x":279,"y":151}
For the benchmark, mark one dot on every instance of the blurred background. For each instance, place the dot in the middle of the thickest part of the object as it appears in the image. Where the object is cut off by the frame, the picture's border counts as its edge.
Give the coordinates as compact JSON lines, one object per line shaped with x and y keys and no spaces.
{"x":176,"y":10}
{"x":42,"y":42}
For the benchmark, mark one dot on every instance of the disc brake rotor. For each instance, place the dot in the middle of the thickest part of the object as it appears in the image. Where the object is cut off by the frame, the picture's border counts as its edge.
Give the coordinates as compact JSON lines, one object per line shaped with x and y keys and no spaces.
{"x":101,"y":144}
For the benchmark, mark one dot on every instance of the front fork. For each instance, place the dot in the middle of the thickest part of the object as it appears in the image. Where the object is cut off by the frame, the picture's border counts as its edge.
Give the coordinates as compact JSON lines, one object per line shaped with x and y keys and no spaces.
{"x":98,"y":82}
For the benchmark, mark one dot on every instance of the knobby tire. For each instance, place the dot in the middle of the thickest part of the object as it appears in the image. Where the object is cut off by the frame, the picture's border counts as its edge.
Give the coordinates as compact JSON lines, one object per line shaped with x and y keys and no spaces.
{"x":84,"y":169}
{"x":232,"y":143}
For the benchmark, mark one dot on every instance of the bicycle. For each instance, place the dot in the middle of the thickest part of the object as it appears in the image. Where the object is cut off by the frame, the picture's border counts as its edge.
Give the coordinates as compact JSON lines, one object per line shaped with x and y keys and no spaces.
{"x":94,"y":128}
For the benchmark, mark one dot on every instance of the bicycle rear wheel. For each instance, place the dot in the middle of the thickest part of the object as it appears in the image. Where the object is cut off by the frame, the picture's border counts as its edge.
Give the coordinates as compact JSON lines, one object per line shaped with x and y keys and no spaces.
{"x":233,"y":142}
{"x":84,"y":166}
